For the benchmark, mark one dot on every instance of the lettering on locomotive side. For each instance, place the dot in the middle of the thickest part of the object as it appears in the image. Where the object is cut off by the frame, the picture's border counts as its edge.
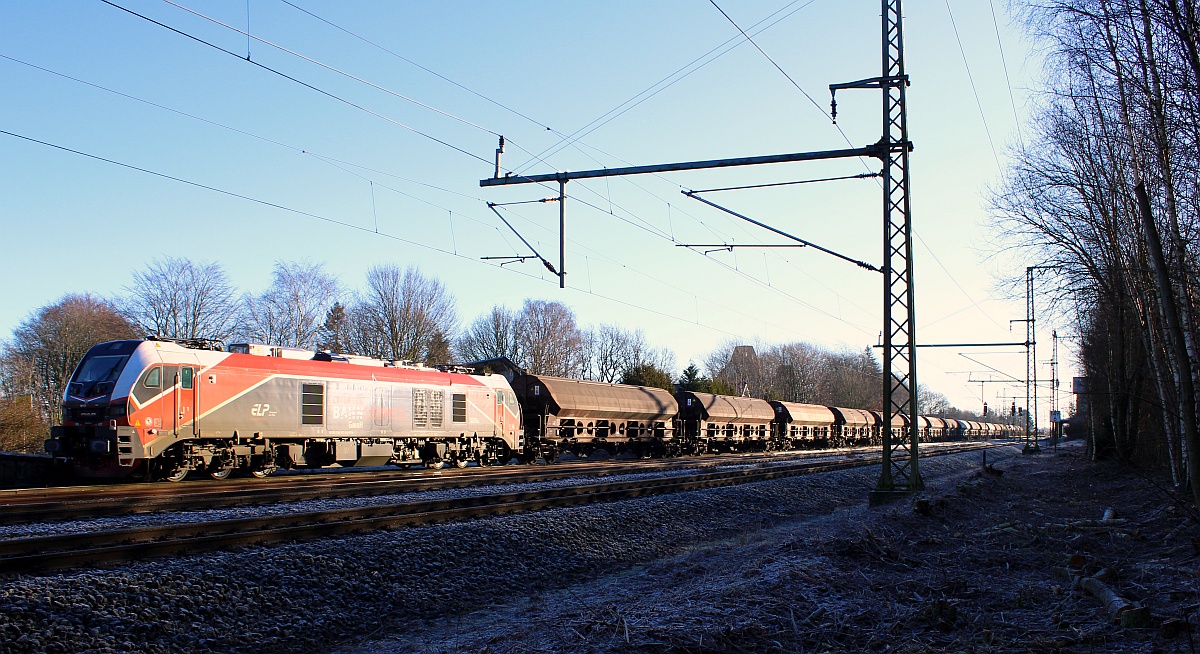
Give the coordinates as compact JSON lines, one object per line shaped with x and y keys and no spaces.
{"x":261,"y":410}
{"x":347,"y":412}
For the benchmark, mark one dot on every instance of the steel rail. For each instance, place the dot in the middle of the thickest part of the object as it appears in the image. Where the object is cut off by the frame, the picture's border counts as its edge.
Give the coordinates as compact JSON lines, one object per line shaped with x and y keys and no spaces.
{"x":74,"y":550}
{"x":93,"y":502}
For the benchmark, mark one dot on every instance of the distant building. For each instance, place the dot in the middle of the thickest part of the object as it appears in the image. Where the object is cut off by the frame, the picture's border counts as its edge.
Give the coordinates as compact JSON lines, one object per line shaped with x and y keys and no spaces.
{"x":744,"y":371}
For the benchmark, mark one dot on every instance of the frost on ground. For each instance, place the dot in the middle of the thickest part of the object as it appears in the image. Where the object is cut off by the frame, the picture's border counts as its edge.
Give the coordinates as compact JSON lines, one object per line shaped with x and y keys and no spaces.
{"x":984,"y":565}
{"x":796,"y":564}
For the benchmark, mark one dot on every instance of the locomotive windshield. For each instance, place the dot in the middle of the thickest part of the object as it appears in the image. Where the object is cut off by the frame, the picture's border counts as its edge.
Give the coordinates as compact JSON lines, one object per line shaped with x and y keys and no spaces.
{"x":99,"y":369}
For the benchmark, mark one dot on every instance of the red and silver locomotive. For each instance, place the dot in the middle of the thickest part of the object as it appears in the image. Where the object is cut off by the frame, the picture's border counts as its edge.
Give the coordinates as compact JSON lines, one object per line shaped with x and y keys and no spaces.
{"x":159,"y":409}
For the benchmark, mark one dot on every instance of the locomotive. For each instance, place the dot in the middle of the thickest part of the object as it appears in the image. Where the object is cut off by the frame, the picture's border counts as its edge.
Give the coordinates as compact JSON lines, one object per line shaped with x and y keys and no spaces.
{"x":159,"y":409}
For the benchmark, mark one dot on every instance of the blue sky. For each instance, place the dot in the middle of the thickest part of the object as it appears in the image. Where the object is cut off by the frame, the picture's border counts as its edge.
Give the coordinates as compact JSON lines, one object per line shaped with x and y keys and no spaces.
{"x":76,"y":224}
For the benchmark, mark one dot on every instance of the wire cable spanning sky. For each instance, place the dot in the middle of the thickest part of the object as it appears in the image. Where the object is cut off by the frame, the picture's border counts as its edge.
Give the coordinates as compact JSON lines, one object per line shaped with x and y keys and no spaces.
{"x":382,"y":117}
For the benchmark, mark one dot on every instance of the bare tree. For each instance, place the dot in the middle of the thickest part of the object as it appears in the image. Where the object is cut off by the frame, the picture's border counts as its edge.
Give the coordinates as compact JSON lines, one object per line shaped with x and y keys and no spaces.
{"x":47,"y":346}
{"x":933,"y":403}
{"x":178,"y":298}
{"x":1106,"y":187}
{"x":292,"y":310}
{"x":614,"y":351}
{"x":402,"y":315}
{"x":798,"y":372}
{"x":549,"y":340}
{"x":22,"y":427}
{"x":492,"y":335}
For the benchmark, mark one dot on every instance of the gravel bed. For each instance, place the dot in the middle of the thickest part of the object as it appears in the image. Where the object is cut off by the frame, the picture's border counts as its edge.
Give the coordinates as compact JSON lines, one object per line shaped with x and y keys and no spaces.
{"x":331,"y":504}
{"x":330,"y":593}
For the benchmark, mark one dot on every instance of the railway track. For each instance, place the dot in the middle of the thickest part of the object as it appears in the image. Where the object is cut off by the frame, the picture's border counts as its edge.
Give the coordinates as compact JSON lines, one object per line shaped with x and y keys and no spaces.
{"x":75,"y":550}
{"x":68,"y":503}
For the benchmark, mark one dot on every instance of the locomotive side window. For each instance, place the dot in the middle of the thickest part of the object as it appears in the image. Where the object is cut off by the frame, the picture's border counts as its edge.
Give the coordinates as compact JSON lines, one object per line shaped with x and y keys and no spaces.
{"x":185,"y":377}
{"x":312,"y":404}
{"x":459,"y":401}
{"x":153,"y":378}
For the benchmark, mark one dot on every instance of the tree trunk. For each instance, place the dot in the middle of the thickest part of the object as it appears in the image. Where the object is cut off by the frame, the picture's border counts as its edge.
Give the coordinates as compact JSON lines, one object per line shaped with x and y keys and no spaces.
{"x":1175,"y":332}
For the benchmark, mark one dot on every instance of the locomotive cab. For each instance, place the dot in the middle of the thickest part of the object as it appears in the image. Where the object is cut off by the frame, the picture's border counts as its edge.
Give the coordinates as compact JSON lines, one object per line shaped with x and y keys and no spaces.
{"x":95,"y":405}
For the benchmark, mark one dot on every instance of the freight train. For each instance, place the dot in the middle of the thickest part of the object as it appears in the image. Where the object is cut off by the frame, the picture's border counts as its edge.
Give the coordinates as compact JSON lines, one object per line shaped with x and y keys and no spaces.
{"x":161,"y":409}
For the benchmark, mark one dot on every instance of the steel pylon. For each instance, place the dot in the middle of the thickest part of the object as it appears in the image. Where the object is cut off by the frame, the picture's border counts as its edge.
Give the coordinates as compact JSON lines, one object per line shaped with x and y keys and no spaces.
{"x":901,"y":471}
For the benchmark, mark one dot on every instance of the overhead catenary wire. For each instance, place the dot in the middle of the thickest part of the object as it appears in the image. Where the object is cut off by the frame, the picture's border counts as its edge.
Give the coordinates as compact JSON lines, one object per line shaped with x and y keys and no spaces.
{"x":583,"y":202}
{"x":299,"y":81}
{"x":1007,"y":80}
{"x":664,"y":83}
{"x":381,"y":207}
{"x":792,"y":183}
{"x":764,"y":53}
{"x":342,"y":165}
{"x":332,"y":69}
{"x":418,"y":65}
{"x":861,"y":264}
{"x":934,"y":255}
{"x":847,"y":139}
{"x":524,"y":116}
{"x":611,"y":212}
{"x":674,"y":287}
{"x":974,"y":89}
{"x":342,"y":223}
{"x":335,"y":162}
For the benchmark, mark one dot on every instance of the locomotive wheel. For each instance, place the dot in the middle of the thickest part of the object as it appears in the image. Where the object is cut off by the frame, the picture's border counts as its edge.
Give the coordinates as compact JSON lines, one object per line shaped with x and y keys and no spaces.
{"x":460,"y":463}
{"x":221,"y":467}
{"x":436,"y":464}
{"x":263,"y":473}
{"x":176,"y":473}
